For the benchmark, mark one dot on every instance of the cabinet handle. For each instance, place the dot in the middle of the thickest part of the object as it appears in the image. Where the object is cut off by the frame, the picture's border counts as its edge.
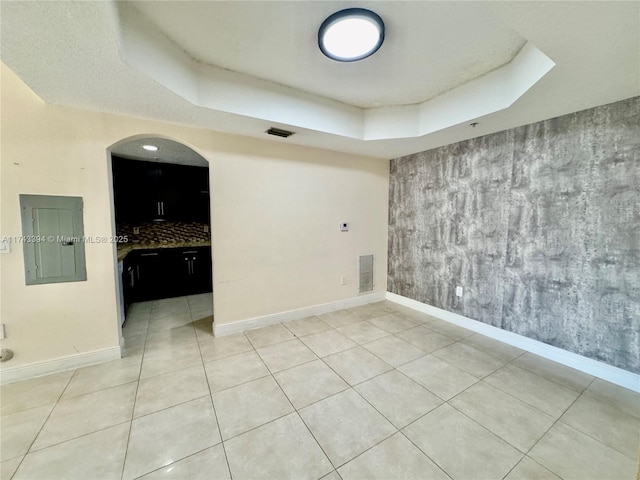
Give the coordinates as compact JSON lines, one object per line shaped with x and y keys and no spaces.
{"x":162,"y":207}
{"x":155,"y":254}
{"x":158,"y":208}
{"x":138,"y":271}
{"x":189,"y":252}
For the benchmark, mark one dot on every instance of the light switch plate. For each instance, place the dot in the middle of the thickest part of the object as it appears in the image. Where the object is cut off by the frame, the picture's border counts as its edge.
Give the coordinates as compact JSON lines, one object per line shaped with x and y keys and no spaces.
{"x":344,"y":227}
{"x":458,"y":291}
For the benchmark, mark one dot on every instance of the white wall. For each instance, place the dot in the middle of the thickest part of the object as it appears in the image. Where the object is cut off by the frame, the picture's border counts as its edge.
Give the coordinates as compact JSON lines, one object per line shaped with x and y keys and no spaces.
{"x":275,"y":215}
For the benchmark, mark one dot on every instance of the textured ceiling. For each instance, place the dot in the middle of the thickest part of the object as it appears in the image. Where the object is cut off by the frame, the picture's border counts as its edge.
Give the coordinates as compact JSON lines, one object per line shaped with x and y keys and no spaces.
{"x":429,"y":48}
{"x":140,"y":59}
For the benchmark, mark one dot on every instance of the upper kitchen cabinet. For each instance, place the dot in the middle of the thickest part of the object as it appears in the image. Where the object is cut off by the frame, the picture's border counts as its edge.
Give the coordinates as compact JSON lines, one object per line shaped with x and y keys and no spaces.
{"x":151,"y":191}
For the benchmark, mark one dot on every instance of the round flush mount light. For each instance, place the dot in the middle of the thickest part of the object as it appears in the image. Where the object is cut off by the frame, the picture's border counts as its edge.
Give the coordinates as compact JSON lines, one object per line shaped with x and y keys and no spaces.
{"x":351,"y":34}
{"x":151,"y":148}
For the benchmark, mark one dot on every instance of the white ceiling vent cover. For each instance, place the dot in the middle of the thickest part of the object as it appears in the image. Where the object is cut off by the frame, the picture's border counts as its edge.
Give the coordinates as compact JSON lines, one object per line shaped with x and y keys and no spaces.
{"x":365,"y":270}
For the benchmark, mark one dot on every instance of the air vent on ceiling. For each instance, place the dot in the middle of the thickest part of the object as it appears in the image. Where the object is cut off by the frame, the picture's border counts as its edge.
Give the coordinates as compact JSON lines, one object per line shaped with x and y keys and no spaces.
{"x":278,"y":132}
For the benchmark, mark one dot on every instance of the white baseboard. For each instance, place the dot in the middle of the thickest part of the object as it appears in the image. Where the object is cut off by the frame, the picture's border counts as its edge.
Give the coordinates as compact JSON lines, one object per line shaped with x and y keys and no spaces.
{"x":287,"y":316}
{"x":598,"y":369}
{"x":57,"y":365}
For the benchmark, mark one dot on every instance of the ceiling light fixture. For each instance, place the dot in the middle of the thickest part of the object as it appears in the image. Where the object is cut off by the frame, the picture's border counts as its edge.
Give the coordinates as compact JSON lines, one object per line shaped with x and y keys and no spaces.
{"x":151,"y":148}
{"x":351,"y":34}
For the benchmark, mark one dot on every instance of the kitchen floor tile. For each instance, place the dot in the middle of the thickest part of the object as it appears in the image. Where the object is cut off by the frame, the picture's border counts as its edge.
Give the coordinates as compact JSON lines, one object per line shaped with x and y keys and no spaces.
{"x":250,"y":405}
{"x":573,"y":455}
{"x":356,"y":365}
{"x":36,"y":392}
{"x":62,"y":425}
{"x":169,"y":307}
{"x":554,"y":371}
{"x":448,"y":329}
{"x":394,"y":350}
{"x":339,"y":318}
{"x":219,"y":347}
{"x":426,"y":340}
{"x":19,"y":430}
{"x":362,"y":332}
{"x":307,"y":326}
{"x":527,"y":469}
{"x":327,"y":343}
{"x":202,"y":301}
{"x":497,"y":349}
{"x":398,"y":398}
{"x":514,"y":421}
{"x":228,"y":372}
{"x":168,"y":322}
{"x":395,"y":457}
{"x":467,"y":358}
{"x":170,"y":337}
{"x":106,"y":375}
{"x":154,"y":438}
{"x":286,"y":355}
{"x":9,"y":467}
{"x":205,"y":465}
{"x":366,"y":312}
{"x":309,"y":383}
{"x":174,"y":357}
{"x":203,"y":327}
{"x":261,"y":337}
{"x":169,"y":389}
{"x":97,"y":455}
{"x":87,"y":413}
{"x":545,"y":395}
{"x":280,"y":449}
{"x":394,"y":323}
{"x":438,"y":377}
{"x":622,"y":398}
{"x":345,"y":425}
{"x":605,"y":423}
{"x":444,"y":433}
{"x":134,"y":346}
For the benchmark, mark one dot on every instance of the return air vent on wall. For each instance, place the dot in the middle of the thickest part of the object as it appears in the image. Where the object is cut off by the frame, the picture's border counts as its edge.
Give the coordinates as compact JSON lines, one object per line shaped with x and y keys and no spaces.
{"x":365,"y":273}
{"x":278,"y":132}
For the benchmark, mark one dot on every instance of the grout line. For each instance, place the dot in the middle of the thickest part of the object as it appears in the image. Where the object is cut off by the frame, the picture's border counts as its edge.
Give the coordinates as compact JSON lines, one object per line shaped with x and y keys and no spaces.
{"x":215,"y":413}
{"x":135,"y":399}
{"x":55,"y":404}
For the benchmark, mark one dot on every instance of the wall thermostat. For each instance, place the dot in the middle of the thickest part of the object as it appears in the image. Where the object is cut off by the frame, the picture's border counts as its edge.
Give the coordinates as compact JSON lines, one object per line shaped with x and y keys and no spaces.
{"x":344,"y":227}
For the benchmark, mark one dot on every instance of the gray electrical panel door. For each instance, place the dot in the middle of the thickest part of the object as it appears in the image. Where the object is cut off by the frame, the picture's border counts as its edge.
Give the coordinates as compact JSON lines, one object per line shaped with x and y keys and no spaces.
{"x":366,"y":273}
{"x":53,"y":239}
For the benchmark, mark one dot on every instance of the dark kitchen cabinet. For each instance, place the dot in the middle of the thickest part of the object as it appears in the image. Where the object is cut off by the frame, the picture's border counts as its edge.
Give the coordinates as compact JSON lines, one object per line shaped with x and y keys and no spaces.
{"x":166,"y":272}
{"x":152,"y":191}
{"x":195,"y":270}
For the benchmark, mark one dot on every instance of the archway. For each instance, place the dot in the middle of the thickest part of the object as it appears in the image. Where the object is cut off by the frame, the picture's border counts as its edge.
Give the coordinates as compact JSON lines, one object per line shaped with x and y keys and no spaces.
{"x":161,"y":217}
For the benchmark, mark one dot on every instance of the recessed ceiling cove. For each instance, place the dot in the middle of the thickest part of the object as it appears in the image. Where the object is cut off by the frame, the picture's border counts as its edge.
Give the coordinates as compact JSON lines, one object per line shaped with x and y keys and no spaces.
{"x":413,"y":86}
{"x":243,"y":67}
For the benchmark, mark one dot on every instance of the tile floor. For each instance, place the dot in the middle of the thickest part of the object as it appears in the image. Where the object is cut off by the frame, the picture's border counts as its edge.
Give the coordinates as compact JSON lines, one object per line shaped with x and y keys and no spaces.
{"x":373,"y":392}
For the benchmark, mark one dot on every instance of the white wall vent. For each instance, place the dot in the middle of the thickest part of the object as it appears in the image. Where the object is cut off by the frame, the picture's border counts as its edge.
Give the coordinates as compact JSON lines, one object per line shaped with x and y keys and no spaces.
{"x":365,"y":270}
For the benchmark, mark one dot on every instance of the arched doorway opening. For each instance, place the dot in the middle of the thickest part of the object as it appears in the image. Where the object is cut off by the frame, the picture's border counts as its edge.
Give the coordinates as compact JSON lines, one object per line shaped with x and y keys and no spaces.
{"x":161,"y":219}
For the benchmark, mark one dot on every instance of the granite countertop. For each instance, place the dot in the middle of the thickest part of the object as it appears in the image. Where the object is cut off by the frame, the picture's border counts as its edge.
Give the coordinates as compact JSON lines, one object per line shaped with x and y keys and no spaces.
{"x":125,"y":248}
{"x":162,"y":235}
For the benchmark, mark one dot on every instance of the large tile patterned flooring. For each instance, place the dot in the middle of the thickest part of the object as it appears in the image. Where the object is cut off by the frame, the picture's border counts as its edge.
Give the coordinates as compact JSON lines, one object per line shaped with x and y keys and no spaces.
{"x":372,"y":392}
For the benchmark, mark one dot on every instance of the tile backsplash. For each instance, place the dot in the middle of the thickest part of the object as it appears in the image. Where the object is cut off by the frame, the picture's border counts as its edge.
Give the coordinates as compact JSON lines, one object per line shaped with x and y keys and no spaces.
{"x":165,"y":232}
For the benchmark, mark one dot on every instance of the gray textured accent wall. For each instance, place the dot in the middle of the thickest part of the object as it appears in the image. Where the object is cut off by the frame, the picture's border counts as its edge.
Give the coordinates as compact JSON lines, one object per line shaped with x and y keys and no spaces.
{"x":540,"y":225}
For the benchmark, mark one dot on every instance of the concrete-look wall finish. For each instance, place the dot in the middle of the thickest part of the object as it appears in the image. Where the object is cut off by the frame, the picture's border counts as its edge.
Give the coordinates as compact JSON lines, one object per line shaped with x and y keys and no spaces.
{"x":540,"y":225}
{"x":275,"y":213}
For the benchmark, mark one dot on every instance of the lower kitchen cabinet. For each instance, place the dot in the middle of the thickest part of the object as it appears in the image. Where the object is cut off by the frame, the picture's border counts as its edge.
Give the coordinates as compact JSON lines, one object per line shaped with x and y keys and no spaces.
{"x":166,"y":272}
